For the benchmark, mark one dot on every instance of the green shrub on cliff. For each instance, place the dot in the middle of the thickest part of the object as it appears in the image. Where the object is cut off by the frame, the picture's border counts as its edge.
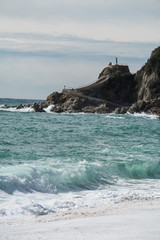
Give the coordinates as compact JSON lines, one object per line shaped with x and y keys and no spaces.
{"x":153,"y":63}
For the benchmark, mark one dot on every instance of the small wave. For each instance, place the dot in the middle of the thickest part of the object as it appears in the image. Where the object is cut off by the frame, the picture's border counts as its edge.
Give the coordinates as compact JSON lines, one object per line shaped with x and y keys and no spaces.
{"x":14,"y":109}
{"x":114,"y":116}
{"x":64,"y":204}
{"x":41,"y":190}
{"x":144,"y":115}
{"x":139,"y":170}
{"x":2,"y":106}
{"x":79,"y":177}
{"x":48,"y":179}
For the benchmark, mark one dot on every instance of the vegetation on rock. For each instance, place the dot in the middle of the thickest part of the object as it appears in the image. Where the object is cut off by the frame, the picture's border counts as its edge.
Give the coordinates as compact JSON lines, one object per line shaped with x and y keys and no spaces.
{"x":153,"y":63}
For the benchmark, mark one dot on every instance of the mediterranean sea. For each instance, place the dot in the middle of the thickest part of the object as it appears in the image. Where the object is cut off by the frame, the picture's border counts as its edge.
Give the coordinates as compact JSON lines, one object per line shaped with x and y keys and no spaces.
{"x":52,"y":163}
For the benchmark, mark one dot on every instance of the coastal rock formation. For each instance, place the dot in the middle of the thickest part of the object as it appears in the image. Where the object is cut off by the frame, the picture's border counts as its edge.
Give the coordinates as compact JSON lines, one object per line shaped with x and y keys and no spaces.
{"x":115,"y":87}
{"x":115,"y":84}
{"x":116,"y":90}
{"x":148,"y":85}
{"x":124,"y":69}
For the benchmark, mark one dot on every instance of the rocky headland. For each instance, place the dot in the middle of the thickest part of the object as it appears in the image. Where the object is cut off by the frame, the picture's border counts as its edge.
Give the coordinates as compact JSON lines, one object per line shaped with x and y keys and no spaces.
{"x":115,"y":91}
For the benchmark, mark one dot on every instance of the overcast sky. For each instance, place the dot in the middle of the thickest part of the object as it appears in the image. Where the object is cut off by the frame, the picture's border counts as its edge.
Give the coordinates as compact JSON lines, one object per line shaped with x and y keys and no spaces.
{"x":46,"y":44}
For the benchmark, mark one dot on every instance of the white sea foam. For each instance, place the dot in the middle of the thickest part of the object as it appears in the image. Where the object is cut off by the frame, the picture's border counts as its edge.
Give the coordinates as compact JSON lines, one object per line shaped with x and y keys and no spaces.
{"x":38,"y":204}
{"x":2,"y":105}
{"x":114,"y":116}
{"x":109,"y":223}
{"x":14,"y":109}
{"x":49,"y":109}
{"x":144,"y":115}
{"x":27,"y":109}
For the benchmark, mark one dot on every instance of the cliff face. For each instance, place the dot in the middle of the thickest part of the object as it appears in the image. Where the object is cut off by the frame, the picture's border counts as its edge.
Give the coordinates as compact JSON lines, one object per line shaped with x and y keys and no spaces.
{"x":115,"y":84}
{"x":148,"y":85}
{"x":150,"y":78}
{"x":117,"y":89}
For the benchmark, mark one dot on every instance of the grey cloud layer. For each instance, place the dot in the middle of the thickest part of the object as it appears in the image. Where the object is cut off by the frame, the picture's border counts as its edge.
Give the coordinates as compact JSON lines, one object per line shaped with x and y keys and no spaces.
{"x":81,"y":10}
{"x":46,"y":44}
{"x":71,"y":46}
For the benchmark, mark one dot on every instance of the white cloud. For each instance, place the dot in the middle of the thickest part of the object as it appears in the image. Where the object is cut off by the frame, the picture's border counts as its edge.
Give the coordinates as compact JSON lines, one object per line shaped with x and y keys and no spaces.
{"x":46,"y":44}
{"x":70,"y":46}
{"x":120,"y":20}
{"x":33,"y":65}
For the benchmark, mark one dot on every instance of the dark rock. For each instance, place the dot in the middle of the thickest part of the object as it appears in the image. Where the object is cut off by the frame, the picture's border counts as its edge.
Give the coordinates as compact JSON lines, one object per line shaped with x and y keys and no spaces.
{"x":148,"y":78}
{"x":58,"y":110}
{"x":89,"y":109}
{"x":37,"y":107}
{"x":55,"y":98}
{"x":116,"y":87}
{"x":20,"y":106}
{"x":111,"y":69}
{"x":4,"y":106}
{"x":102,"y":109}
{"x":121,"y":110}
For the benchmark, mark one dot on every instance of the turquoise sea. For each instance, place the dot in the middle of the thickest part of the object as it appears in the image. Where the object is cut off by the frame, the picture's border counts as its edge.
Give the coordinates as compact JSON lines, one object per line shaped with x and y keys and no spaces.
{"x":55,"y":163}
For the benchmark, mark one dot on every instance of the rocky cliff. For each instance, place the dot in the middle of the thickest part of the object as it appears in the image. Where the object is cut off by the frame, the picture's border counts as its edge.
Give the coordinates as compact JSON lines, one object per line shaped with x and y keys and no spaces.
{"x":115,"y":84}
{"x":149,"y":78}
{"x":148,"y":85}
{"x":116,"y":90}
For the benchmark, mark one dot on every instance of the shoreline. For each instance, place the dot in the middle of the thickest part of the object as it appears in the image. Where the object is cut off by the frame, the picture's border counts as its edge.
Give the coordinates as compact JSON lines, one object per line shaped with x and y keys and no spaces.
{"x":125,"y":220}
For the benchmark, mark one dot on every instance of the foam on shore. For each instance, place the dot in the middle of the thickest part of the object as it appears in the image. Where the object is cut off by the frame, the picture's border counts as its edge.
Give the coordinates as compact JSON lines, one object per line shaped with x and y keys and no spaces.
{"x":136,"y":220}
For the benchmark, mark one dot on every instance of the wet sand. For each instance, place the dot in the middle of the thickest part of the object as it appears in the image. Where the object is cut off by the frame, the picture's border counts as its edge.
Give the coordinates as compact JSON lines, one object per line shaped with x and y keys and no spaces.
{"x":128,"y":221}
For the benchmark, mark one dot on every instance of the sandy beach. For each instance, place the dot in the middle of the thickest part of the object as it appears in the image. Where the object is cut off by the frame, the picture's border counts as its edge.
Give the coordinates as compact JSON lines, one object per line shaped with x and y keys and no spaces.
{"x":128,"y":220}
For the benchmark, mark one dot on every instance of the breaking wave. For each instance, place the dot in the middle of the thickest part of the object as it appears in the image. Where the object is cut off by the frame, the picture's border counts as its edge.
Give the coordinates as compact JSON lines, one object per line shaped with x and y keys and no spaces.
{"x":14,"y":109}
{"x":84,"y":176}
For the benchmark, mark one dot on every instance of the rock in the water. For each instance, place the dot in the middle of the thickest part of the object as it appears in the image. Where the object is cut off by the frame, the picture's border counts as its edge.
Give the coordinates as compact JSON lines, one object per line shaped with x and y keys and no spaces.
{"x":20,"y":106}
{"x":37,"y":107}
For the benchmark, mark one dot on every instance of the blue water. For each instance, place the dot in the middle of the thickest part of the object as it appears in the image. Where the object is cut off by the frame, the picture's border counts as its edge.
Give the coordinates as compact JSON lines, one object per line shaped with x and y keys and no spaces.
{"x":16,"y":102}
{"x":52,"y":163}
